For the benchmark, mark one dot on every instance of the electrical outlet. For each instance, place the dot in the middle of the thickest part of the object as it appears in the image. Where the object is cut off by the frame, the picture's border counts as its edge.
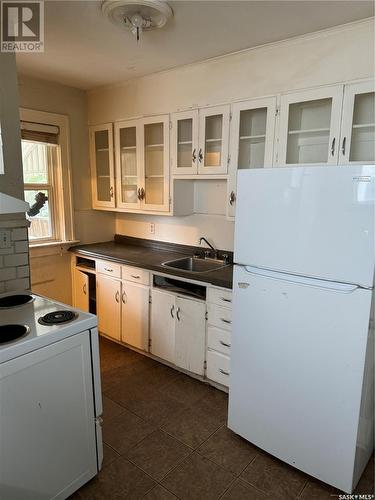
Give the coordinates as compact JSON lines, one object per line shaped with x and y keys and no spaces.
{"x":152,"y":228}
{"x":4,"y":239}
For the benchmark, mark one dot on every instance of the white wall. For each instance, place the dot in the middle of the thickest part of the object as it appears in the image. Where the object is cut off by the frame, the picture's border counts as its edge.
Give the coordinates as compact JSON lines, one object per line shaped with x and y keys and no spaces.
{"x":337,"y":55}
{"x":50,"y":269}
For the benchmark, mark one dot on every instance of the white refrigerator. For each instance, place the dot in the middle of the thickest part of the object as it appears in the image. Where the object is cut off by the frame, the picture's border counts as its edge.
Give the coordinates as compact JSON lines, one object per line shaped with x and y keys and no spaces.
{"x":302,"y":357}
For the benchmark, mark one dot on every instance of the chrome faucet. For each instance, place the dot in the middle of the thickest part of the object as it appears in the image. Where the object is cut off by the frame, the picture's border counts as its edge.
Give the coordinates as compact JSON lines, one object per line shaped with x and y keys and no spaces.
{"x":207,"y":253}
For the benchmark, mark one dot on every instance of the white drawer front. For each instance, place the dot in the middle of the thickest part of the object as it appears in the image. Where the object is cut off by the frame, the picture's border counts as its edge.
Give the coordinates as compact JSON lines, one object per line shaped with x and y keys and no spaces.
{"x":135,"y":274}
{"x":220,"y":317}
{"x":218,"y":367}
{"x":109,"y":268}
{"x":221,"y":297}
{"x":218,"y":339}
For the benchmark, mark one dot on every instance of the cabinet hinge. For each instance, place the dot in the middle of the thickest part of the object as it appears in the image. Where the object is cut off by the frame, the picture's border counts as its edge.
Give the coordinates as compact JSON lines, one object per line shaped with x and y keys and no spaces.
{"x":277,"y":112}
{"x":170,"y":125}
{"x":170,"y":200}
{"x":206,"y":315}
{"x":149,"y":343}
{"x":230,"y":116}
{"x":228,"y":160}
{"x":205,"y":365}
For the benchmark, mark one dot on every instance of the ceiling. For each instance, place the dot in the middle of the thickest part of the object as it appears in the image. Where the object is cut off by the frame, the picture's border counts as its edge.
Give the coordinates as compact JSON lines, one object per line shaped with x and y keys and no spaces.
{"x":84,"y":50}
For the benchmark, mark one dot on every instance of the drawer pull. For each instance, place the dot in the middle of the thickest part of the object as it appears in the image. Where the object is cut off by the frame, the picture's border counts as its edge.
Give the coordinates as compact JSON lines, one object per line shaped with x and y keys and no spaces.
{"x":226,"y":321}
{"x":135,"y":276}
{"x":225,"y":300}
{"x":109,"y":270}
{"x":223,"y":372}
{"x":224,"y":344}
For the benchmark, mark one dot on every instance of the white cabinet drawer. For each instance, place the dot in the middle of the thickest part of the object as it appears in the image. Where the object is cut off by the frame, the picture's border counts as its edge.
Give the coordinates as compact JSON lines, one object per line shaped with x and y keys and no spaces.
{"x":218,"y":367}
{"x":135,"y":274}
{"x":109,"y":268}
{"x":221,"y":297}
{"x":218,"y":339}
{"x":220,"y":317}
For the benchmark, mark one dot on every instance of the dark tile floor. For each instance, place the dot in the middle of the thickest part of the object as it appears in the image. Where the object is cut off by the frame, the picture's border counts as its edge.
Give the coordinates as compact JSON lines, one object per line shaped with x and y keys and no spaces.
{"x":165,"y":438}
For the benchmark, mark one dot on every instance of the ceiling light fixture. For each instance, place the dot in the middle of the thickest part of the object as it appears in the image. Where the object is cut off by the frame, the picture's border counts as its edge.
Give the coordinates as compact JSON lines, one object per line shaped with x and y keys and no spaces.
{"x":137,"y":15}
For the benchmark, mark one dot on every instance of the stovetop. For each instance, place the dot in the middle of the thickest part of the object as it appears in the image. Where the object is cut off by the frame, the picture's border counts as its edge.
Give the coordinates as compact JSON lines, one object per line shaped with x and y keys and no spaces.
{"x":40,"y":332}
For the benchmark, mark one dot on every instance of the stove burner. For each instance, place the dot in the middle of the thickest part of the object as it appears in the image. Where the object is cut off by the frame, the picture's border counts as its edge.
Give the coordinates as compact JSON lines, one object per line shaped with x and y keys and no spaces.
{"x":9,"y":333}
{"x":15,"y":300}
{"x":57,"y":317}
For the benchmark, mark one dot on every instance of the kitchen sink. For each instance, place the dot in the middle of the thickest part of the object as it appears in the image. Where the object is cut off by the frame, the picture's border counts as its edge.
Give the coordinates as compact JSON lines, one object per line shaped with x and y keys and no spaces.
{"x":195,"y":264}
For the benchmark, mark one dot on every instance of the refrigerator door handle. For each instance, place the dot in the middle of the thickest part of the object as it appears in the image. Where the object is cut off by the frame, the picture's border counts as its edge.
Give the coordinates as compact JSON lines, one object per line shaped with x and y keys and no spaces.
{"x":301,"y":280}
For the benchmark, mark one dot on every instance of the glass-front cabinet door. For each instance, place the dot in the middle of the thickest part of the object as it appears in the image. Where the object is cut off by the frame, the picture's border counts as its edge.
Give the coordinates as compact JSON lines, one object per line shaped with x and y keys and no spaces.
{"x":101,"y":151}
{"x":309,"y":127}
{"x":357,"y":142}
{"x":184,"y":147}
{"x":128,"y":166}
{"x":213,"y":140}
{"x":252,"y":136}
{"x":155,"y":159}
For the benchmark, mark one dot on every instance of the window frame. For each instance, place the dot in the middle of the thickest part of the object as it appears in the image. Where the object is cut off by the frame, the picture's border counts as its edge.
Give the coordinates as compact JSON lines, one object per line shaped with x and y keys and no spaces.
{"x":60,"y":180}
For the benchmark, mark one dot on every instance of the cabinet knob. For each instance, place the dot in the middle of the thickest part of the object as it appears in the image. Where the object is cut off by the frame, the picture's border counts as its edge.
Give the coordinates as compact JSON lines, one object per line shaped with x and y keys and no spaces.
{"x":232,"y":198}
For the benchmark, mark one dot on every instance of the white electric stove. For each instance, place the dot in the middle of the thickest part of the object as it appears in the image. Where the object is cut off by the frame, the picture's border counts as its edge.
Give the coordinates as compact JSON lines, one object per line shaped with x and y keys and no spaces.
{"x":50,"y":398}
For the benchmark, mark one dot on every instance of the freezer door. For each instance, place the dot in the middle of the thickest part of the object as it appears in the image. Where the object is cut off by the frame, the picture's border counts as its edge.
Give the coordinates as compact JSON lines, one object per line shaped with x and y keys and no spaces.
{"x":312,"y":221}
{"x":297,"y":367}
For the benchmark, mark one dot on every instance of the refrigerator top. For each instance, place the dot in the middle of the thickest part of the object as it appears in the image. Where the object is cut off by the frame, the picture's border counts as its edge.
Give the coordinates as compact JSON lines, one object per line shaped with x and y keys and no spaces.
{"x":317,"y":222}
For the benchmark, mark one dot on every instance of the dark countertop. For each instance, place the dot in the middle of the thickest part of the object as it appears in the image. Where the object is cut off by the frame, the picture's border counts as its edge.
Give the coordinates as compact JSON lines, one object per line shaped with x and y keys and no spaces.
{"x":148,"y":254}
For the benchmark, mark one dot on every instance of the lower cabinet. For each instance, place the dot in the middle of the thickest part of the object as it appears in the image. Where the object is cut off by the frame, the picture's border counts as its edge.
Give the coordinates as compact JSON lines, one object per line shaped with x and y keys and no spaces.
{"x":81,"y":290}
{"x":134,"y":314}
{"x":108,"y":292}
{"x":178,"y":330}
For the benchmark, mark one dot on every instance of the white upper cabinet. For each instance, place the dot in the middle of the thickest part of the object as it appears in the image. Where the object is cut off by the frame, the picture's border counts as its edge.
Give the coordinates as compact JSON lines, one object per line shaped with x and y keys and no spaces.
{"x":129,"y":175}
{"x":309,"y":127}
{"x":357,"y":142}
{"x":142,"y":164}
{"x":101,"y":156}
{"x":251,"y":145}
{"x":213,"y":140}
{"x":184,"y":143}
{"x":200,"y":141}
{"x":155,"y":162}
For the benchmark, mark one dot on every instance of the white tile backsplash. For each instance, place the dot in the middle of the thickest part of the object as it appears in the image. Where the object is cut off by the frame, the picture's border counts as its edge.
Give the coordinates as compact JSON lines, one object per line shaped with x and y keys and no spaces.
{"x":14,"y":261}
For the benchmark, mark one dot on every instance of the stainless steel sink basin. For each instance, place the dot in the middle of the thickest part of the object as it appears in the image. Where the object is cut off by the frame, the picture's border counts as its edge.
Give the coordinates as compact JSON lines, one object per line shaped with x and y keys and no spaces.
{"x":195,"y":265}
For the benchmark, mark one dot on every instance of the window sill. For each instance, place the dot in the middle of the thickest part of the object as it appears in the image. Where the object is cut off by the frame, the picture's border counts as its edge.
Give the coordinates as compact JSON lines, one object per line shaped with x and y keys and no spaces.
{"x":50,"y":248}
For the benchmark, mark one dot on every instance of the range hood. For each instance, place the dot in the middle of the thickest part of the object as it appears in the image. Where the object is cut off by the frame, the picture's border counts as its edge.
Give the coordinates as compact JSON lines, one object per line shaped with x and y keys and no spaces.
{"x":11,"y":205}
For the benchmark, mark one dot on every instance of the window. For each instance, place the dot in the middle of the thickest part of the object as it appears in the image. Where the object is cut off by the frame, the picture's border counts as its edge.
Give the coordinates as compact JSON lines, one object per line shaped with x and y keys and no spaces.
{"x":46,"y":172}
{"x":39,"y":163}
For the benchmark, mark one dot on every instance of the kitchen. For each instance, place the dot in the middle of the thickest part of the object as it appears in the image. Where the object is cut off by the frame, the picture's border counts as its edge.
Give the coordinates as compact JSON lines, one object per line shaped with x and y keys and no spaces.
{"x":146,"y":185}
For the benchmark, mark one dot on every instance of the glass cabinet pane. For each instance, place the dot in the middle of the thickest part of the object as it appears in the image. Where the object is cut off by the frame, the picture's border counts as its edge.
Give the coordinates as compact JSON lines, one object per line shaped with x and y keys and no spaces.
{"x":103,"y":178}
{"x":309,"y":131}
{"x":184,"y":143}
{"x":252,"y":138}
{"x":213,"y":140}
{"x":154,"y":163}
{"x":129,"y":170}
{"x":362,"y":146}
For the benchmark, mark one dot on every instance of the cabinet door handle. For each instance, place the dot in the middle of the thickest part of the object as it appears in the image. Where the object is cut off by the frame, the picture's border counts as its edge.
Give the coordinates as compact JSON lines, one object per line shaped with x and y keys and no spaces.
{"x":194,"y":156}
{"x":84,"y":289}
{"x":343,"y":148}
{"x":178,"y":313}
{"x":124,"y":298}
{"x":333,"y":146}
{"x":111,"y":191}
{"x":226,"y":321}
{"x":117,"y":297}
{"x":143,"y":194}
{"x":200,"y":155}
{"x":139,"y":194}
{"x":135,"y":276}
{"x":223,"y":372}
{"x":232,"y":198}
{"x":171,"y":311}
{"x":108,"y":269}
{"x":225,"y":299}
{"x":224,"y":344}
